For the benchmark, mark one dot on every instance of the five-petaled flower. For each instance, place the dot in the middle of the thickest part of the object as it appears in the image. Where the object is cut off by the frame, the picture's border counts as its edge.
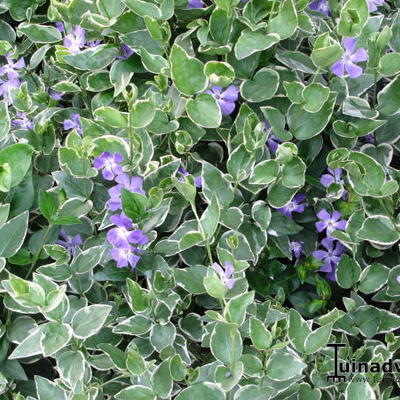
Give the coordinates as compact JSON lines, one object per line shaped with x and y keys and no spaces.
{"x":295,"y":205}
{"x":124,"y":256}
{"x":333,"y":176}
{"x":349,"y":58}
{"x":123,"y":235}
{"x":330,"y":256}
{"x":11,"y":68}
{"x":110,"y":163}
{"x":330,"y":222}
{"x":225,"y":273}
{"x":74,"y":122}
{"x":71,"y":243}
{"x":225,"y":98}
{"x":76,"y":40}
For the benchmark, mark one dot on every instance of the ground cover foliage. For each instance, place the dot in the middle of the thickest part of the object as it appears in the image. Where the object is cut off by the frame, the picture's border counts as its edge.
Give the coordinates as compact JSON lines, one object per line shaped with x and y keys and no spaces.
{"x":197,"y":197}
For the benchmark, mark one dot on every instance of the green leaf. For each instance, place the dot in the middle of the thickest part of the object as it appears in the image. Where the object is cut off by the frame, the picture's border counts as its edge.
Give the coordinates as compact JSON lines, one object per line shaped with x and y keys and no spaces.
{"x":48,"y":390}
{"x":260,"y":335}
{"x":251,"y":42}
{"x":348,"y":272}
{"x":142,"y":113}
{"x":162,"y":336}
{"x":261,"y":87}
{"x":191,"y":279}
{"x":315,"y":96}
{"x":214,"y":183}
{"x":55,"y":336}
{"x":111,"y":116}
{"x":285,"y":23}
{"x":12,"y":235}
{"x":87,"y":260}
{"x":204,"y":111}
{"x":187,"y":72}
{"x":40,"y":33}
{"x":318,"y":339}
{"x":254,"y":392}
{"x":18,"y":157}
{"x":210,"y":218}
{"x":326,"y":51}
{"x":304,"y":125}
{"x":389,"y":64}
{"x":89,"y":320}
{"x":353,"y":16}
{"x":359,"y":390}
{"x":284,"y":364}
{"x":293,"y":173}
{"x":134,"y":205}
{"x":4,"y":120}
{"x":373,"y":278}
{"x":136,"y":392}
{"x":71,"y":365}
{"x":92,"y":59}
{"x":298,"y":330}
{"x":226,"y":343}
{"x":219,"y":73}
{"x":389,"y":98}
{"x":144,"y":8}
{"x":48,"y":204}
{"x":379,"y":229}
{"x":235,"y":310}
{"x":204,"y":390}
{"x":265,"y":172}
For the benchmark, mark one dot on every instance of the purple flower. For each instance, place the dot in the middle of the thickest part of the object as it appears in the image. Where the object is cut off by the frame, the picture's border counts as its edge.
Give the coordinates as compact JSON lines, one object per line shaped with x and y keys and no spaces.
{"x":133,"y":184}
{"x":330,"y":256}
{"x":74,"y":122}
{"x":273,"y":142}
{"x":124,"y":256}
{"x":6,"y":86}
{"x":198,"y":182}
{"x":225,"y":274}
{"x":374,"y":4}
{"x":333,"y":176}
{"x":295,"y":205}
{"x":110,"y":164}
{"x":320,"y":5}
{"x":122,"y":236}
{"x":194,"y":4}
{"x":10,"y":69}
{"x":351,"y":56}
{"x":126,"y":52}
{"x":330,"y":223}
{"x":398,"y":278}
{"x":23,"y":121}
{"x":59,"y":26}
{"x":296,"y":248}
{"x":369,"y":138}
{"x":94,"y":43}
{"x":55,"y":95}
{"x":71,"y":243}
{"x":76,"y":40}
{"x":226,"y":99}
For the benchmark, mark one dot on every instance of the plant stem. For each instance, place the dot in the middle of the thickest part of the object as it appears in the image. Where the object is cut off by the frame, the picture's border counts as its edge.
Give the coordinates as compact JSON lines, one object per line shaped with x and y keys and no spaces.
{"x":202,"y":233}
{"x":36,"y":256}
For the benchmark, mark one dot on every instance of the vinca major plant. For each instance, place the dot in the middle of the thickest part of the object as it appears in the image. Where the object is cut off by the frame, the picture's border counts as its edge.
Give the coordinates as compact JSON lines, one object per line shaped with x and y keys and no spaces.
{"x":199,"y":199}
